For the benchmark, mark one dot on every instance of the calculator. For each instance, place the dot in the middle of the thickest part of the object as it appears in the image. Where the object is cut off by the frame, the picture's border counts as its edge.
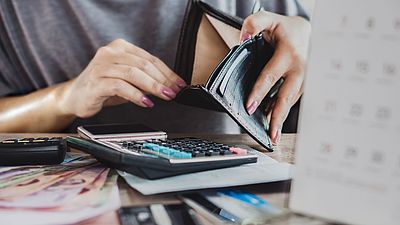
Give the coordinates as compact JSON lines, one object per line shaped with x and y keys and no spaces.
{"x":32,"y":151}
{"x":158,"y":158}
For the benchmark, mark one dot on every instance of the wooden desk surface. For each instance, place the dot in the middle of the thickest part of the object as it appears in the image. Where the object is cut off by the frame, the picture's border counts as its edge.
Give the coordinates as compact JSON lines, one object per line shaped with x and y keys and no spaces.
{"x":276,"y":193}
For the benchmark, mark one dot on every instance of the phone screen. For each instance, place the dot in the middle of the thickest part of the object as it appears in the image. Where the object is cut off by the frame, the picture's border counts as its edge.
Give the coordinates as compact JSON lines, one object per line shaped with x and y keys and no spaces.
{"x":117,"y":129}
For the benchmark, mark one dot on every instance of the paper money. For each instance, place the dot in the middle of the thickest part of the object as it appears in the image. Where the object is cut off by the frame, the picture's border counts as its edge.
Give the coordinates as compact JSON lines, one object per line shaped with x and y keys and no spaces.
{"x":40,"y":181}
{"x":77,"y":189}
{"x":61,"y":192}
{"x":14,"y":175}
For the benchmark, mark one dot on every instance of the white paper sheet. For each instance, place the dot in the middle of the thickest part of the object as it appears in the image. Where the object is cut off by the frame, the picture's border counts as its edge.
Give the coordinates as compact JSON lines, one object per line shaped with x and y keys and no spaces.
{"x":347,"y":155}
{"x":265,"y":170}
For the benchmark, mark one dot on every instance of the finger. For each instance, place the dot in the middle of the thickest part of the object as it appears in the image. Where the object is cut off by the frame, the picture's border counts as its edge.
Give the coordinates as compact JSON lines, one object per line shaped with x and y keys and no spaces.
{"x":110,"y":87}
{"x":139,"y":79}
{"x":277,"y":66}
{"x":258,"y":22}
{"x":134,"y":50}
{"x":287,"y":96}
{"x":268,"y":112}
{"x":114,"y":101}
{"x":146,"y":66}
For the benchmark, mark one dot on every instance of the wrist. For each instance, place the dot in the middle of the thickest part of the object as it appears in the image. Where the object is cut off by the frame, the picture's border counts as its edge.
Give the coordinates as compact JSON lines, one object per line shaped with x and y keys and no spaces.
{"x":60,"y":98}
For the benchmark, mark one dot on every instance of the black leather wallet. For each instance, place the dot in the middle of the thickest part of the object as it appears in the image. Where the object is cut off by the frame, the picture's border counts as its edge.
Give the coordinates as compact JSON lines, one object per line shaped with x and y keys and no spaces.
{"x":220,"y":72}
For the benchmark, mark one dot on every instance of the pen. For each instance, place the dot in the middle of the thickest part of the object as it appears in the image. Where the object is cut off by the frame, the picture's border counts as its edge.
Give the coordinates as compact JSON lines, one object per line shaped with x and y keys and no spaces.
{"x":219,"y":212}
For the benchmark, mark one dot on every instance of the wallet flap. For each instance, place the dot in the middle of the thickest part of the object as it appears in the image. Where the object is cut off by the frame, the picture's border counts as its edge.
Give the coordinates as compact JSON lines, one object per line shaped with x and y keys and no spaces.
{"x":229,"y":34}
{"x":210,"y":49}
{"x":208,"y":29}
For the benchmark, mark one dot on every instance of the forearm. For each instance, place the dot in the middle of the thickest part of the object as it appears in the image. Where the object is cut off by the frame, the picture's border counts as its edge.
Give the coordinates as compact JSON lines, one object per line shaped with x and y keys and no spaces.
{"x":39,"y":111}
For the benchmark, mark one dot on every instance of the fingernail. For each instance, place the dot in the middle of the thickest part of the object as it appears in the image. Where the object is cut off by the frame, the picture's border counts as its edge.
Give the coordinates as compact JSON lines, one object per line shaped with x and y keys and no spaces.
{"x":168,"y":92}
{"x":147,"y":102}
{"x":181,"y":83}
{"x":252,"y":108}
{"x":245,"y":36}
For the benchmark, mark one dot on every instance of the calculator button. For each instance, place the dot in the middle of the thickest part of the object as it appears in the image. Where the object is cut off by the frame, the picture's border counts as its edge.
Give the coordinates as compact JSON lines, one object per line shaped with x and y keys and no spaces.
{"x":198,"y":154}
{"x":225,"y":152}
{"x":42,"y":138}
{"x":25,"y":140}
{"x":9,"y":141}
{"x":166,"y":151}
{"x":55,"y":139}
{"x":211,"y":153}
{"x":37,"y":140}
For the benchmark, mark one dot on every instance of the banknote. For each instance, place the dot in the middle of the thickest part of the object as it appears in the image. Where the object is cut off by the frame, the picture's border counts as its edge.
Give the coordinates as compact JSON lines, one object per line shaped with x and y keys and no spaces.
{"x":40,"y":182}
{"x":77,"y":189}
{"x":61,"y":192}
{"x":23,"y":184}
{"x":99,"y":193}
{"x":14,"y":175}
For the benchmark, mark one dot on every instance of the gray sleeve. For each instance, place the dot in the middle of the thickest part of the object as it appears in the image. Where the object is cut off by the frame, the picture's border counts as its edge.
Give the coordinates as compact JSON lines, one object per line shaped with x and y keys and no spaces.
{"x":4,"y":88}
{"x":244,"y":8}
{"x":4,"y":84}
{"x":284,"y":7}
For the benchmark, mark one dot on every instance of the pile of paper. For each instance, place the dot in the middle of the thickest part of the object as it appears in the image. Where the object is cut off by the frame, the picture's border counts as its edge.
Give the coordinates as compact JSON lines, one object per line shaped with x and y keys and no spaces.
{"x":78,"y":189}
{"x":264,"y":171}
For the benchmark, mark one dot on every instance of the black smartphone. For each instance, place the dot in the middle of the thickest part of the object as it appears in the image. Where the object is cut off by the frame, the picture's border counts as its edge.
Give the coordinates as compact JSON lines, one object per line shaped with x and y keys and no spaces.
{"x":111,"y":131}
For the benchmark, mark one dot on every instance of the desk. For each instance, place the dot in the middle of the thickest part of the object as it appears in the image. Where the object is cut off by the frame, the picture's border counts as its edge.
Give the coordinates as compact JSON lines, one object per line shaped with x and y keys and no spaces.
{"x":275,"y":193}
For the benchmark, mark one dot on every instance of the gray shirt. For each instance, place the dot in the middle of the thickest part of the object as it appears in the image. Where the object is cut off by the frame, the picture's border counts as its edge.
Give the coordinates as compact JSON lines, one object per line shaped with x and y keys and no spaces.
{"x":44,"y":42}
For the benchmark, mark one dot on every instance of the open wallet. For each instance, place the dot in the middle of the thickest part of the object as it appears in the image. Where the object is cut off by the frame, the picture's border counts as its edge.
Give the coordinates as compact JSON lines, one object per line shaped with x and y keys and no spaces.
{"x":221,"y":73}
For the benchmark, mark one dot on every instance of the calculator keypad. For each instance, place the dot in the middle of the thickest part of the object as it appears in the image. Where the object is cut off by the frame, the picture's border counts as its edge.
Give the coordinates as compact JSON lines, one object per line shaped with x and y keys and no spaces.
{"x":182,"y":148}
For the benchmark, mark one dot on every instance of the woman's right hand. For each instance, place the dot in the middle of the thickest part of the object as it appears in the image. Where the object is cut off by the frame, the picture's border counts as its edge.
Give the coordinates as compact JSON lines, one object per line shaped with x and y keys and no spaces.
{"x":119,"y":72}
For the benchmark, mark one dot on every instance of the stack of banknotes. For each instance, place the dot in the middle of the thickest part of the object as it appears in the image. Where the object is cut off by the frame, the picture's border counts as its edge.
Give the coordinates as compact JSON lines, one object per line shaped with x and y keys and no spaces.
{"x":78,"y":189}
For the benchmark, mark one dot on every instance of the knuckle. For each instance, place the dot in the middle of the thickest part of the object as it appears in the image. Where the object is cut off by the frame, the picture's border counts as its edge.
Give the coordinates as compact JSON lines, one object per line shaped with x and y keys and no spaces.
{"x":263,"y":14}
{"x":115,"y":86}
{"x":250,"y":24}
{"x":270,"y":79}
{"x":131,"y":74}
{"x":155,"y":87}
{"x":147,"y":65}
{"x":142,"y":64}
{"x":153,"y":59}
{"x":103,"y":51}
{"x":136,"y":97}
{"x":286,"y":100}
{"x":117,"y":42}
{"x":297,"y":65}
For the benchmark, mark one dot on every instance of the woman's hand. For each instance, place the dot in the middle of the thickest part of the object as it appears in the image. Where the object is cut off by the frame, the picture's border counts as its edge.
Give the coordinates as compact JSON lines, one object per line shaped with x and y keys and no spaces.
{"x":290,"y":37}
{"x":118,"y":73}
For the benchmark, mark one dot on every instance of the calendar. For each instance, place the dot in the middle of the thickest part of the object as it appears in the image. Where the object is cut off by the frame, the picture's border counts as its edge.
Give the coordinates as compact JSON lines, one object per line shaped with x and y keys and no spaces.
{"x":348,"y":149}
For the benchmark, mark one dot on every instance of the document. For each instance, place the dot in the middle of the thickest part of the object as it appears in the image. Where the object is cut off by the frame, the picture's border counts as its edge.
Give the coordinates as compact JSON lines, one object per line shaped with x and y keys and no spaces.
{"x":347,"y":154}
{"x":265,"y":170}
